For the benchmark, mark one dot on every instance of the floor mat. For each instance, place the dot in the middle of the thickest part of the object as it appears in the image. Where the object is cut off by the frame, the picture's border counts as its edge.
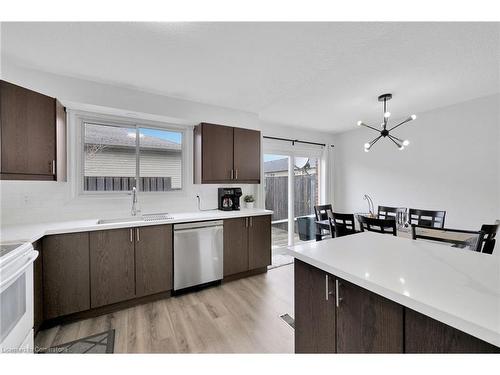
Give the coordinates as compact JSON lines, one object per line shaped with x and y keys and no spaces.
{"x":288,"y":320}
{"x":96,"y":344}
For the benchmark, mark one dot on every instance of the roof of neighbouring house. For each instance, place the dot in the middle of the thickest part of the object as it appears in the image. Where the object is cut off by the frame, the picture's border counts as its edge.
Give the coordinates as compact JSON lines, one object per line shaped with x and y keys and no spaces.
{"x":281,"y":165}
{"x":116,"y":136}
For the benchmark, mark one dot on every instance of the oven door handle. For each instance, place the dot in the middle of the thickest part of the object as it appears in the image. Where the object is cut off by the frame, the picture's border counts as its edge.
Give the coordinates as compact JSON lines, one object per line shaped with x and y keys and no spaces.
{"x":6,"y":282}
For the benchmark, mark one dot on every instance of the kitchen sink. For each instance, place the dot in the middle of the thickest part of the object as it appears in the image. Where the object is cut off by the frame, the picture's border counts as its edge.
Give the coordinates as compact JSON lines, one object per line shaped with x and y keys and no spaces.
{"x":117,"y":221}
{"x":145,"y":217}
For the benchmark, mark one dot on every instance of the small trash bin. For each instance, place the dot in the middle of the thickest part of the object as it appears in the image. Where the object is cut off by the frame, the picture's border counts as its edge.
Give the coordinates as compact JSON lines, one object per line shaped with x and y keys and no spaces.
{"x":307,"y":228}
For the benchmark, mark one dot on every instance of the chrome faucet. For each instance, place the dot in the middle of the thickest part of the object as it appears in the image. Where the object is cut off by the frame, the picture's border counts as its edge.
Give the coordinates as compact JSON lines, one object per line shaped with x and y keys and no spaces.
{"x":134,"y":210}
{"x":371,"y":208}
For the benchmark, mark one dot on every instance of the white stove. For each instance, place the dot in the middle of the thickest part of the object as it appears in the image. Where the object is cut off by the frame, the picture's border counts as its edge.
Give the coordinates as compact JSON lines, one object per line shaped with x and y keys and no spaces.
{"x":16,"y":297}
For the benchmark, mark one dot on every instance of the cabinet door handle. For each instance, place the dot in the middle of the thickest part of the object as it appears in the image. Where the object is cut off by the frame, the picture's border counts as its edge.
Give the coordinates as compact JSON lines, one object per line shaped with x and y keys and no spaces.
{"x":235,"y":174}
{"x":251,"y":221}
{"x":327,"y":288}
{"x":131,"y":235}
{"x":232,"y":174}
{"x":138,"y":235}
{"x":246,"y":222}
{"x":337,"y":297}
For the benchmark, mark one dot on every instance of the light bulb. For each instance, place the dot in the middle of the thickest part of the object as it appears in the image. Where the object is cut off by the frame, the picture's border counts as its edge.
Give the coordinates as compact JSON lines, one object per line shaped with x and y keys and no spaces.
{"x":367,"y":149}
{"x":387,"y":114}
{"x":406,"y":142}
{"x":367,"y":145}
{"x":413,"y":117}
{"x":360,"y":123}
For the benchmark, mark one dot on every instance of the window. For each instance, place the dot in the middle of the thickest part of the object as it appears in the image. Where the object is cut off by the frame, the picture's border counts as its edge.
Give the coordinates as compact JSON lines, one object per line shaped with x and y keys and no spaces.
{"x":118,"y":158}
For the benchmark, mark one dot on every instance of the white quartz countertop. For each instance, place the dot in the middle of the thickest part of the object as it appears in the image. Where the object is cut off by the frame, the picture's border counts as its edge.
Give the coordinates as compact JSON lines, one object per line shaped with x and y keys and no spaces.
{"x":33,"y":232}
{"x":458,"y":287}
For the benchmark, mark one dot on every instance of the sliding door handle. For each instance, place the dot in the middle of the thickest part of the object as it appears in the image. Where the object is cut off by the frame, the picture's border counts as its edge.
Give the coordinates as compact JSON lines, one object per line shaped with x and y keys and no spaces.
{"x":52,"y":167}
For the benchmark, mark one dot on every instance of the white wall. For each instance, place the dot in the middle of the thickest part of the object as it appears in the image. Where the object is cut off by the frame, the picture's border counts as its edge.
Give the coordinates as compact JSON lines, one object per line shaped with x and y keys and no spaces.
{"x":452,"y":164}
{"x":36,"y":201}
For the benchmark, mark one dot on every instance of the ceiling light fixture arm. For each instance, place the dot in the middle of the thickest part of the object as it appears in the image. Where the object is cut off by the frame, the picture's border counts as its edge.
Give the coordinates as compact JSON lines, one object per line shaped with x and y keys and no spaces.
{"x":395,"y":142}
{"x":368,"y":126}
{"x":412,"y":117}
{"x":373,"y":141}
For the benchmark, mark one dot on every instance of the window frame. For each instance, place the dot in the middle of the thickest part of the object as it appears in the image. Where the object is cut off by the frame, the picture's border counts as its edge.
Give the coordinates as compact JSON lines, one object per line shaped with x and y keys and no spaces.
{"x":123,"y":122}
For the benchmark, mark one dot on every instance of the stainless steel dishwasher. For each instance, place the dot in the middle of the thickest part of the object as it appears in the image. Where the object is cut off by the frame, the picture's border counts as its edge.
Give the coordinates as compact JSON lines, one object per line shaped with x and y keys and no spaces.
{"x":198,"y":253}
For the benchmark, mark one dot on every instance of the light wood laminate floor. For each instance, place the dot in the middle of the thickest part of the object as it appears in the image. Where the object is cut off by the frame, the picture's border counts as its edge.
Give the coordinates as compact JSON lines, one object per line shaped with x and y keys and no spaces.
{"x":241,"y":316}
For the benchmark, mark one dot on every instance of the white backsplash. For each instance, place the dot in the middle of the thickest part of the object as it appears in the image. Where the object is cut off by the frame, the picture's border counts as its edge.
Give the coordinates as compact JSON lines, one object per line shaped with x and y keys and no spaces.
{"x":42,"y":201}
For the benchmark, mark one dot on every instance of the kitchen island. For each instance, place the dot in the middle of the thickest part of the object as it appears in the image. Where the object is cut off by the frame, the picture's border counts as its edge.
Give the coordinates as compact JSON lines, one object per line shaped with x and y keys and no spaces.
{"x":377,"y":293}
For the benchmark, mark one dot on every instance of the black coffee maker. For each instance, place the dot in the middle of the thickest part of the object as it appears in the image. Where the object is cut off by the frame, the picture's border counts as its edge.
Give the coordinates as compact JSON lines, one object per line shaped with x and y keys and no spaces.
{"x":229,"y":199}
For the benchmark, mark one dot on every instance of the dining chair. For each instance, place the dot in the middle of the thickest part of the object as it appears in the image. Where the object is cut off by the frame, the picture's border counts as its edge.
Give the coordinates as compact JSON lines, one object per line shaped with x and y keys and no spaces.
{"x":427,"y":218}
{"x":342,"y":224}
{"x":490,"y":231}
{"x":323,"y":212}
{"x":472,"y":240}
{"x":386,"y":212}
{"x":377,"y":225}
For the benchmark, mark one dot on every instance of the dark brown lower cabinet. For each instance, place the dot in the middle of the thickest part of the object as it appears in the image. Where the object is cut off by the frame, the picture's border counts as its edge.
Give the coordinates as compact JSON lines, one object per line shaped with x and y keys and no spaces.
{"x":367,"y":322}
{"x":314,"y":310}
{"x":112,"y":266}
{"x":66,"y":284}
{"x":259,"y":241}
{"x":247,"y":244}
{"x":358,"y":321}
{"x":153,"y":259}
{"x":235,"y":246}
{"x":427,"y":335}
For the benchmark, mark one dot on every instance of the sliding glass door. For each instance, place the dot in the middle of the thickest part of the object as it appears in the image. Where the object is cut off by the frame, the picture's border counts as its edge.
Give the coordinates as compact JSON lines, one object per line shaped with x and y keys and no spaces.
{"x":292,"y":189}
{"x":276,"y":193}
{"x":305,"y":196}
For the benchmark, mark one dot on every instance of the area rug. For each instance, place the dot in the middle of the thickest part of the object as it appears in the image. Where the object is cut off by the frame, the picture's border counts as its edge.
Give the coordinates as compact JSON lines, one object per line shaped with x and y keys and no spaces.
{"x":100,"y":343}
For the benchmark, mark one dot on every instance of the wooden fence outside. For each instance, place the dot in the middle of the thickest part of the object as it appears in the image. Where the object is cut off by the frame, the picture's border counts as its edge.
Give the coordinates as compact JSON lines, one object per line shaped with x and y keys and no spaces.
{"x":306,"y":196}
{"x":97,"y":183}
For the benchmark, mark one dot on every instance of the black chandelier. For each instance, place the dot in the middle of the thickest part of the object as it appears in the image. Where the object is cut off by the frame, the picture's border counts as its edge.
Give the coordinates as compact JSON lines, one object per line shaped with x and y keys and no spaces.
{"x":386,"y":132}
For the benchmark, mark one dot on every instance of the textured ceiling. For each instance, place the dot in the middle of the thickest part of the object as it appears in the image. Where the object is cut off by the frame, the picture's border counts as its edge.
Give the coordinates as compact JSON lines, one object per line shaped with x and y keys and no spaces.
{"x":324,"y":76}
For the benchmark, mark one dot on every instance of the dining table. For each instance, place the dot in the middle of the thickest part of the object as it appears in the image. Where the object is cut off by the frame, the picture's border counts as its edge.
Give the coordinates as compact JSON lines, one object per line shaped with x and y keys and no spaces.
{"x":405,"y":232}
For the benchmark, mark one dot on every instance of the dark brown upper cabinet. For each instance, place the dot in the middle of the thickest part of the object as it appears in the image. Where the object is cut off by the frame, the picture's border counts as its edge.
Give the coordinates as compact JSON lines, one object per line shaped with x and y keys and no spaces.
{"x":33,"y":135}
{"x":223,"y":154}
{"x":246,"y":155}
